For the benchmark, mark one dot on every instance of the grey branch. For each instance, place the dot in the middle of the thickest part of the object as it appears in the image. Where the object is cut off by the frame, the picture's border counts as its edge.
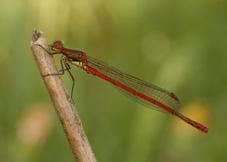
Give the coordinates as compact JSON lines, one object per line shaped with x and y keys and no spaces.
{"x":64,"y":107}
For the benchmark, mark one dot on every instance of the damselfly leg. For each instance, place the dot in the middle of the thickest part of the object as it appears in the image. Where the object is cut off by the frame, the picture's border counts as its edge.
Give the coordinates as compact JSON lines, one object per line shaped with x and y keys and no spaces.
{"x":64,"y":67}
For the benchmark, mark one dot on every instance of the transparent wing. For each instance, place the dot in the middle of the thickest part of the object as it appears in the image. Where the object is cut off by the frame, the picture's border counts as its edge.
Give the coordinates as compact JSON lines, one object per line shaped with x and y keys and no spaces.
{"x":158,"y":94}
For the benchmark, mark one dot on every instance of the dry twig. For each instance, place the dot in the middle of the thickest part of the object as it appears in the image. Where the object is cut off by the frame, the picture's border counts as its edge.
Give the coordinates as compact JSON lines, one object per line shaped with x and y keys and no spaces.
{"x":64,"y":107}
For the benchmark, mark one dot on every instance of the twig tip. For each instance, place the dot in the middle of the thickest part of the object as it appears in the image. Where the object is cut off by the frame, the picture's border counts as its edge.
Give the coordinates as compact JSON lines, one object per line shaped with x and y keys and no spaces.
{"x":37,"y":37}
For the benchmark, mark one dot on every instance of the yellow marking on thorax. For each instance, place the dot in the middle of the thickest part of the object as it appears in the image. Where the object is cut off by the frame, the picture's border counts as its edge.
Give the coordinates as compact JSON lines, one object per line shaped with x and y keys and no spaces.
{"x":78,"y":64}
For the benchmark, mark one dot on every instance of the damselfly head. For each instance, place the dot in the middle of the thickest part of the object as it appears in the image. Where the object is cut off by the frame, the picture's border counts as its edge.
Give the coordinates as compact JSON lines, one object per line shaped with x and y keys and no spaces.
{"x":57,"y":46}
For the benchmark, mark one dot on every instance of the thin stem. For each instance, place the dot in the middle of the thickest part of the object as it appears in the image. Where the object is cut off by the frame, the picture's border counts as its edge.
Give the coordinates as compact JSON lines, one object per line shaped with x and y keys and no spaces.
{"x":64,"y":107}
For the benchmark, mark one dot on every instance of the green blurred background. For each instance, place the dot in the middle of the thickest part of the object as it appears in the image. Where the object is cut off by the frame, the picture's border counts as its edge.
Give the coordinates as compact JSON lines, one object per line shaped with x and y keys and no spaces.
{"x":178,"y":45}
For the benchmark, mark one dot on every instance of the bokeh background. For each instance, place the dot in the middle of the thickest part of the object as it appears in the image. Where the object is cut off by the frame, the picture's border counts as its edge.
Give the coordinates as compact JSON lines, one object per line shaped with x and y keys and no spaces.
{"x":178,"y":45}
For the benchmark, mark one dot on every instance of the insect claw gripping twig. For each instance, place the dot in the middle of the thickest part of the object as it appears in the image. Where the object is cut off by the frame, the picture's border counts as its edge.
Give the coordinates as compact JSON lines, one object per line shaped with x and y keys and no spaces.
{"x":64,"y":67}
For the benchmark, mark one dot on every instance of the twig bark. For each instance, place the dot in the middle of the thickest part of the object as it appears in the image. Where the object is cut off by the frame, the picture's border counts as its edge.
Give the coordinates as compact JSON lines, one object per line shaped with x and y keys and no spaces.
{"x":64,"y":107}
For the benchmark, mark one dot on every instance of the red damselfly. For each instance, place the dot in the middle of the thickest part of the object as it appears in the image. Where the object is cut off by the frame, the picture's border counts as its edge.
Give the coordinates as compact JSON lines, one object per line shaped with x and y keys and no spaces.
{"x":147,"y":93}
